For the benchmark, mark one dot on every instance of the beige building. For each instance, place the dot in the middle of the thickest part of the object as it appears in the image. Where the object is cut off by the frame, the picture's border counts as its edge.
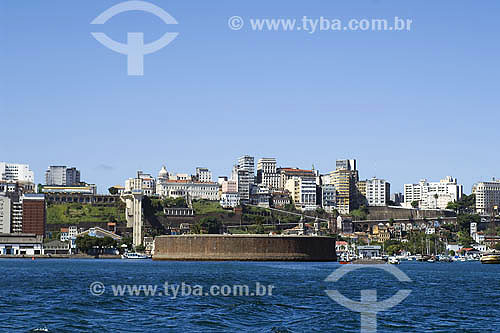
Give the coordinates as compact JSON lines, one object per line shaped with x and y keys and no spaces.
{"x":303,"y":192}
{"x":487,"y":196}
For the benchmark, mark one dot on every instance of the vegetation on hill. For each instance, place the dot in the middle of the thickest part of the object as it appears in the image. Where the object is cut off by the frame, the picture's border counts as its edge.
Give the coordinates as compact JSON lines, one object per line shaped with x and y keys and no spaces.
{"x":202,"y":207}
{"x":74,"y":213}
{"x":207,"y":225}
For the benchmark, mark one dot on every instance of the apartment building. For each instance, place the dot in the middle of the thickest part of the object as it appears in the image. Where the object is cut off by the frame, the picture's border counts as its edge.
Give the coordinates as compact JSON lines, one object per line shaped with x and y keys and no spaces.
{"x":5,"y":210}
{"x":61,"y":175}
{"x":377,"y":192}
{"x":33,"y":214}
{"x":433,"y":195}
{"x":16,"y":172}
{"x":266,"y":173}
{"x":487,"y":196}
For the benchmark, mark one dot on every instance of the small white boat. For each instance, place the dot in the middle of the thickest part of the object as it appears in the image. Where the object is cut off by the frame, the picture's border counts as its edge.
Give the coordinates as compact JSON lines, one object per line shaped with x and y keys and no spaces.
{"x":134,"y":255}
{"x":393,"y":260}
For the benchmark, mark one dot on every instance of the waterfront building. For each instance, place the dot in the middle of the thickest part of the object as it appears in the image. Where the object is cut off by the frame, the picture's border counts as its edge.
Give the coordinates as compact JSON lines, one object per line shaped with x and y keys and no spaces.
{"x":21,"y":244}
{"x":57,"y":247}
{"x":266,"y":173}
{"x":16,"y":172}
{"x":369,"y":251}
{"x":377,"y":192}
{"x":61,"y":175}
{"x":5,"y":209}
{"x":303,"y":192}
{"x":34,"y":214}
{"x":345,"y":178}
{"x":487,"y":196}
{"x":433,"y":195}
{"x":230,"y":200}
{"x":203,"y":175}
{"x":64,"y":234}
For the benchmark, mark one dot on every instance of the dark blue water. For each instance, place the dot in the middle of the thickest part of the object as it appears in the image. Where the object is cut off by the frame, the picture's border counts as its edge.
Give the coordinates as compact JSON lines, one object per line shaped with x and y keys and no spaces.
{"x":446,"y":297}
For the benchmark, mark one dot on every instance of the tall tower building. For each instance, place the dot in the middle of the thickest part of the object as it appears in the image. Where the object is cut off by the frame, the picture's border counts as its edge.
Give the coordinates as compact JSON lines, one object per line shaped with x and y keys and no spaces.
{"x":266,"y":173}
{"x":34,"y":214}
{"x":345,"y":178}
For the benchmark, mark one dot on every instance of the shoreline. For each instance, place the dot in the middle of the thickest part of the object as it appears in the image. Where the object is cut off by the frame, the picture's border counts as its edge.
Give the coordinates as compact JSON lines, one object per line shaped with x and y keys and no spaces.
{"x":59,"y":256}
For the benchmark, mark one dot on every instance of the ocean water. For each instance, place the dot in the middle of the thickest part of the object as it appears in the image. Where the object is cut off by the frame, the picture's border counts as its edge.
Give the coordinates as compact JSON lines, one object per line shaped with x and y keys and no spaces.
{"x":55,"y":294}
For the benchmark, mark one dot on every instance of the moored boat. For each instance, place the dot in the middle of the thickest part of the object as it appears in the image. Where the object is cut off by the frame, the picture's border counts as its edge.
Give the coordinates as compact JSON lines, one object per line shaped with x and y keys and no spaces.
{"x":134,"y":255}
{"x":490,"y":258}
{"x":393,"y":260}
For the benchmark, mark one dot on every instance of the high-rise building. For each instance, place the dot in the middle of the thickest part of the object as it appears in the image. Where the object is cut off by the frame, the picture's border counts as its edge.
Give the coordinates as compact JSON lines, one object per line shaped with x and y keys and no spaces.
{"x":377,"y":192}
{"x":244,"y":175}
{"x":433,"y":195}
{"x":33,"y":214}
{"x":487,"y":196}
{"x":266,"y":173}
{"x":5,"y":215}
{"x":16,"y":172}
{"x":61,"y":175}
{"x":345,"y":178}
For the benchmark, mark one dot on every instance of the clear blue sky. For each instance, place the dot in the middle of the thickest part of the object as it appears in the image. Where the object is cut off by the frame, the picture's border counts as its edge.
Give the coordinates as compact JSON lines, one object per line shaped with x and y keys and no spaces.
{"x":406,"y":105}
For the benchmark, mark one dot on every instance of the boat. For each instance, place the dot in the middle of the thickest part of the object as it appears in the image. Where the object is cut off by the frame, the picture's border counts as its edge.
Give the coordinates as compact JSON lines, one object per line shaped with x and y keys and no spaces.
{"x":490,"y":258}
{"x":134,"y":255}
{"x":393,"y":260}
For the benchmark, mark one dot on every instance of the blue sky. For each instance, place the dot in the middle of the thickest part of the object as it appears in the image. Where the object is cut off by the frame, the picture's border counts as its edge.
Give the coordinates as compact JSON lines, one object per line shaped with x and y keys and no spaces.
{"x":406,"y":105}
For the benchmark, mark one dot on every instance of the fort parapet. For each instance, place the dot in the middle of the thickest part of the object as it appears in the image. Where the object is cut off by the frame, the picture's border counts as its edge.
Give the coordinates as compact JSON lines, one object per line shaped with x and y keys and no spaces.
{"x":245,"y":247}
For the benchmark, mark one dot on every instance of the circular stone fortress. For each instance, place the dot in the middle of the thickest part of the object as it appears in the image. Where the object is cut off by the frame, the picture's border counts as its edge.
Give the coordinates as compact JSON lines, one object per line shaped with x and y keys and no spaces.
{"x":245,"y":247}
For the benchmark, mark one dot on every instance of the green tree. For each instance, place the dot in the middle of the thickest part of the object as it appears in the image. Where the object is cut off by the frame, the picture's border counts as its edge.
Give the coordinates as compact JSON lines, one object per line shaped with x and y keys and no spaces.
{"x":207,"y":225}
{"x":414,"y":204}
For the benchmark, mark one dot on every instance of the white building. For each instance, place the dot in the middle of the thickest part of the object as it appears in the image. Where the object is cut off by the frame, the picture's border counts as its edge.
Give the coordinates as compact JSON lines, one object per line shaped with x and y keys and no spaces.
{"x":21,"y":244}
{"x":303,"y":192}
{"x":4,"y":215}
{"x":16,"y":172}
{"x":378,"y":192}
{"x":487,"y":196}
{"x":230,"y":200}
{"x":266,"y":173}
{"x":148,"y":183}
{"x":61,"y":175}
{"x":193,"y":189}
{"x":203,"y":175}
{"x":433,"y":195}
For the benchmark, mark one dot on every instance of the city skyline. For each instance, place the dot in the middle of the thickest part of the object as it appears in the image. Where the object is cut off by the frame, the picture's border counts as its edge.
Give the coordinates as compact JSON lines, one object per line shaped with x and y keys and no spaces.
{"x":402,"y":104}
